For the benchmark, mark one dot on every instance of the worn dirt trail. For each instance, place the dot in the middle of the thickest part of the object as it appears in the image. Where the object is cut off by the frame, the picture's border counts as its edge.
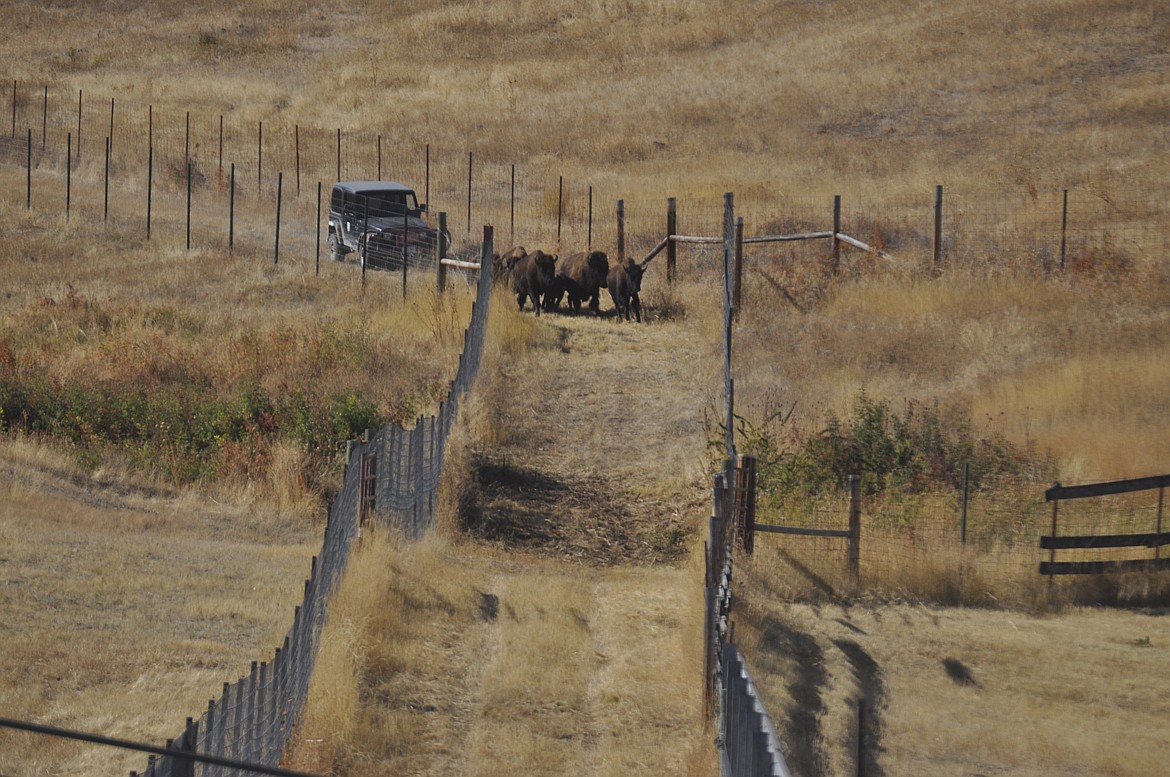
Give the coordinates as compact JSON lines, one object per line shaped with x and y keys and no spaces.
{"x":592,"y":663}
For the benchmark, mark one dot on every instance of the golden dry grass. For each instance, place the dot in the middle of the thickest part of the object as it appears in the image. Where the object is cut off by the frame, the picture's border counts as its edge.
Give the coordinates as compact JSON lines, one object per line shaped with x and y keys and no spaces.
{"x":128,"y":606}
{"x":785,"y":104}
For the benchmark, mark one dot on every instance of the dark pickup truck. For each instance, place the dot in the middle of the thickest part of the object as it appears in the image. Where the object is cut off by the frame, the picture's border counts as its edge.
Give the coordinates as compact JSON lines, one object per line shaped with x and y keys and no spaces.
{"x":382,"y":223}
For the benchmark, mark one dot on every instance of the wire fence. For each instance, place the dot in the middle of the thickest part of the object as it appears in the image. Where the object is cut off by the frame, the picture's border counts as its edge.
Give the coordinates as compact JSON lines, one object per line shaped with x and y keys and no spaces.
{"x":255,"y":718}
{"x":1100,"y":225}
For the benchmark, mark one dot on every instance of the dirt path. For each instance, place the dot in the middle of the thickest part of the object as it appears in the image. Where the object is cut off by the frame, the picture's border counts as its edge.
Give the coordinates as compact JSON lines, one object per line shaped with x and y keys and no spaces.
{"x":605,"y":454}
{"x":592,"y":664}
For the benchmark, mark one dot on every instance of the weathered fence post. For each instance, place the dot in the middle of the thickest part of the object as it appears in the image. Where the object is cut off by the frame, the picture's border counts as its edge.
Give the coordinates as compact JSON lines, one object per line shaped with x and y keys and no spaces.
{"x":963,"y":504}
{"x":728,"y":252}
{"x":469,"y":163}
{"x":28,"y":177}
{"x":671,"y":231}
{"x":441,"y":250}
{"x":745,"y":501}
{"x":317,"y":271}
{"x":737,"y":289}
{"x":621,"y":231}
{"x":836,"y":232}
{"x":1063,"y":228}
{"x":854,"y":531}
{"x":938,"y":204}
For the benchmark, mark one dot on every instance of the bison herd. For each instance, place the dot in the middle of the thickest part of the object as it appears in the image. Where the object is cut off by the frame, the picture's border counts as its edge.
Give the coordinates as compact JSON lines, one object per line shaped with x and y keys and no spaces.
{"x":547,"y":281}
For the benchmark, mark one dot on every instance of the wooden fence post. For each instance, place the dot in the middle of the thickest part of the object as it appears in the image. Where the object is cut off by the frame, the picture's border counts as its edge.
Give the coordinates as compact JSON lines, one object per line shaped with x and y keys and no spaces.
{"x":440,"y":250}
{"x":469,"y":164}
{"x":854,"y":531}
{"x":317,"y":271}
{"x":737,"y":289}
{"x":671,"y":230}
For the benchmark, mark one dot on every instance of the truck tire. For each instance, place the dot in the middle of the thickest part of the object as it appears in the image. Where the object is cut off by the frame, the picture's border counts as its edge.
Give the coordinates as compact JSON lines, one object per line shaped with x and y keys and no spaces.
{"x":334,"y":248}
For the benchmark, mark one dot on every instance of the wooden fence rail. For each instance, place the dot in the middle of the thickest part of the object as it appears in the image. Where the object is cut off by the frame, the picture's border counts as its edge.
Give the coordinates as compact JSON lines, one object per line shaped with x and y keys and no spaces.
{"x":1155,"y":540}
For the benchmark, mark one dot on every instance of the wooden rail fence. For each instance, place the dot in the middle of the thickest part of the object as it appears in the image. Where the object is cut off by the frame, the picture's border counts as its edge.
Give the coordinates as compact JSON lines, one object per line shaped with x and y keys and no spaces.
{"x":1154,"y":540}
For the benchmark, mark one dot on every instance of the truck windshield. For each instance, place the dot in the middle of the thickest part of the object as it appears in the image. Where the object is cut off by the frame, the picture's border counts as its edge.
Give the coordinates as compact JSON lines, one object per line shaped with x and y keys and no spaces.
{"x":383,"y":203}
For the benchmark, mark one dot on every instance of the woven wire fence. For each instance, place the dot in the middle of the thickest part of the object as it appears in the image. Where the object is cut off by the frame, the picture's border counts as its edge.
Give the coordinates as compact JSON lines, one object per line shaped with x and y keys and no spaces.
{"x":254,"y":719}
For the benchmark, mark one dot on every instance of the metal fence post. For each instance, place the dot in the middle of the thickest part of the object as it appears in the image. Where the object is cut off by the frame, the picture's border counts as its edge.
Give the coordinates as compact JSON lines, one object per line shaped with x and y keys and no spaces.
{"x":671,"y":231}
{"x":854,"y":531}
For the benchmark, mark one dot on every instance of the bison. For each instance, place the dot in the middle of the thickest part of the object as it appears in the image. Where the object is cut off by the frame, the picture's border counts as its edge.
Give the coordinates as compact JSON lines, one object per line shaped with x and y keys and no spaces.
{"x":503,"y":264}
{"x":625,"y":281}
{"x":540,"y":274}
{"x":582,"y":276}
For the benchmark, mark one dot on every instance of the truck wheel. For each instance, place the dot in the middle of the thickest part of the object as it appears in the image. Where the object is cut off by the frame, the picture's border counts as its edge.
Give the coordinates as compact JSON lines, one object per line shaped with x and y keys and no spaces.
{"x":334,"y":248}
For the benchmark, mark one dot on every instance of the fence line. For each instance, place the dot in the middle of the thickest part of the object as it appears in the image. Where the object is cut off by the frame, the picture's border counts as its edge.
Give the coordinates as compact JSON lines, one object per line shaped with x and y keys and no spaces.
{"x":255,"y":718}
{"x":1100,"y":227}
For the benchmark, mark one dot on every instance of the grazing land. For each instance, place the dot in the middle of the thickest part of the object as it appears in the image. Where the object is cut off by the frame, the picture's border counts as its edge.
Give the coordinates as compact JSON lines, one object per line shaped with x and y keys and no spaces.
{"x":136,"y":578}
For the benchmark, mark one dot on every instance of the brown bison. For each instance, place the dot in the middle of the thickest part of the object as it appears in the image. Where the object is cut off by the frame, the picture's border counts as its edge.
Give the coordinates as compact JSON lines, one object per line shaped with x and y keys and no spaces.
{"x":540,"y":273}
{"x":582,"y":276}
{"x":503,"y":264}
{"x":625,"y":281}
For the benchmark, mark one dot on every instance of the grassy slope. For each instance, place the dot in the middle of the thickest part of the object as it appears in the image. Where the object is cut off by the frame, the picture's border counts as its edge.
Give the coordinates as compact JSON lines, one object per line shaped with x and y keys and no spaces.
{"x":872,"y":99}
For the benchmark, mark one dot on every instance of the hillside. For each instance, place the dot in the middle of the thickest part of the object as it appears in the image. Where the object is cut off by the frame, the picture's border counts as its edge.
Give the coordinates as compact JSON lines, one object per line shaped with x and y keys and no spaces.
{"x":580,"y":484}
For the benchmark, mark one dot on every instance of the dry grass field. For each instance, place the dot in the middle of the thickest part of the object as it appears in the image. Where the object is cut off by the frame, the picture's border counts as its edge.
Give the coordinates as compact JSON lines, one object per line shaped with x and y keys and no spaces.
{"x":1005,"y":103}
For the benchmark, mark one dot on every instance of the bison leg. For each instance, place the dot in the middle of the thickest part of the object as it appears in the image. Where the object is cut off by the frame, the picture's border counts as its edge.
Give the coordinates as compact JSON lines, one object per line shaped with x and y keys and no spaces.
{"x":636,"y":304}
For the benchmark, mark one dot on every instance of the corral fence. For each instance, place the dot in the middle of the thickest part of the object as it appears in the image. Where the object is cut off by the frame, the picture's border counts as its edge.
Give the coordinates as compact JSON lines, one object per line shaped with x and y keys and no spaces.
{"x":1128,"y":515}
{"x":390,"y":479}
